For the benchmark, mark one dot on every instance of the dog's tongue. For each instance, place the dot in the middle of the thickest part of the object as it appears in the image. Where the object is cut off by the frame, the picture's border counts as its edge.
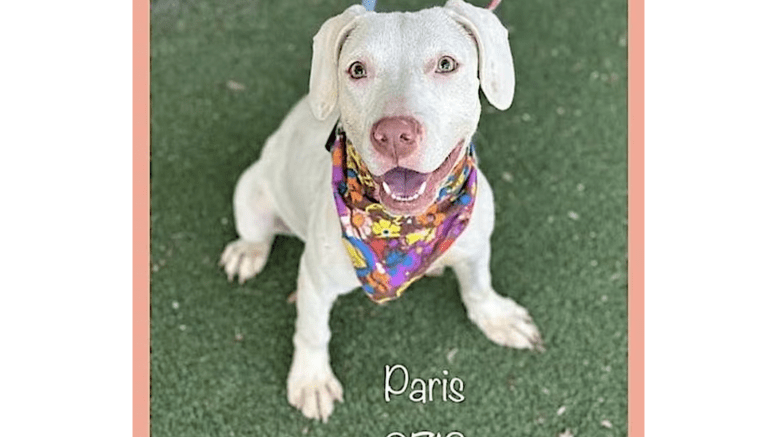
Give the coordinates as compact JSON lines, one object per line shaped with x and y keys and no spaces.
{"x":403,"y":181}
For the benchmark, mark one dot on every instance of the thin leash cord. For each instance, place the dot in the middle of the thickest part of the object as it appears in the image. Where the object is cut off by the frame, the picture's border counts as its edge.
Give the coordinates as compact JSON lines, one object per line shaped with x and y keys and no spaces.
{"x":370,"y":4}
{"x":493,"y":4}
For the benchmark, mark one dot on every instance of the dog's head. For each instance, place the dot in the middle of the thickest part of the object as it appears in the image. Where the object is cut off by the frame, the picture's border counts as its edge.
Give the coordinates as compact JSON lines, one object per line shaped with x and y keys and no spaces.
{"x":406,"y":87}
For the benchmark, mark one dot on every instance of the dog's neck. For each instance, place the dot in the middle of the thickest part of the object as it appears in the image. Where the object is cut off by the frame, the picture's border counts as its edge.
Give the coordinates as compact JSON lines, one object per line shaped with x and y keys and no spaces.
{"x":390,"y":251}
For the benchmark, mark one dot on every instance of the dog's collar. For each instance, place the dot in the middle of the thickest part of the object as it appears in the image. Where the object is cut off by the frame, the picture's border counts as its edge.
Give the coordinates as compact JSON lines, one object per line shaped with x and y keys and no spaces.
{"x":390,"y":252}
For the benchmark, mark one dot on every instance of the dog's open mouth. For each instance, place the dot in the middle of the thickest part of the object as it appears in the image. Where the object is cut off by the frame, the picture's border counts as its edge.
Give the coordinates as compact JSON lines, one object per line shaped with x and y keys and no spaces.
{"x":408,"y":192}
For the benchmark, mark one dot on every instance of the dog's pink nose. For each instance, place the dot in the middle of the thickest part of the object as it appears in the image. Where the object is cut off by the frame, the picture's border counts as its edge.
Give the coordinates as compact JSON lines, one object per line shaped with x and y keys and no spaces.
{"x":396,"y":137}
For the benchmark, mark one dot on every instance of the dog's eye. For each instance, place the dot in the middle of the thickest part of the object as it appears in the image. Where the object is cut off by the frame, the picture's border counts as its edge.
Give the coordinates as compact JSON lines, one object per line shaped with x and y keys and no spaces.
{"x":357,"y":70}
{"x":446,"y":64}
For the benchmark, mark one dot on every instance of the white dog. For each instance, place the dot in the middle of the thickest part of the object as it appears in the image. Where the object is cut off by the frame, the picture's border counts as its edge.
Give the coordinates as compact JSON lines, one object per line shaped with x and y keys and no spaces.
{"x":402,"y":91}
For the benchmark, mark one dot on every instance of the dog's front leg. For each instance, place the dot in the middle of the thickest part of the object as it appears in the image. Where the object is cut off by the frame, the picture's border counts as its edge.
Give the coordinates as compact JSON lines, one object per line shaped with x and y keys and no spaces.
{"x":312,"y":386}
{"x":501,"y":319}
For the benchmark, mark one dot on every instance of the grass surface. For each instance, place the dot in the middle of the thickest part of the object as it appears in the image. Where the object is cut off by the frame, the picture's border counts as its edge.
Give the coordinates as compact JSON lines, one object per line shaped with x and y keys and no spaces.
{"x":557,"y":163}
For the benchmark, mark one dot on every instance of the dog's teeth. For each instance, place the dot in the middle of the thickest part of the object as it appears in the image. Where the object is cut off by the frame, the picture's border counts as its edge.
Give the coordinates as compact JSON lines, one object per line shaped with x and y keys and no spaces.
{"x":401,"y":198}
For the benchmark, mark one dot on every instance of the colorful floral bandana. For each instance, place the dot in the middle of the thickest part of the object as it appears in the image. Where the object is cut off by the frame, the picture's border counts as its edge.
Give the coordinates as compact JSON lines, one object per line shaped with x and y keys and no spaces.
{"x":390,"y":252}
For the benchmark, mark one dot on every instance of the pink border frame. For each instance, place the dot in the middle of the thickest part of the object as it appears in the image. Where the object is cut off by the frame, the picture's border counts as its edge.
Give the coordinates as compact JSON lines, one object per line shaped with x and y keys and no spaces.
{"x":141,"y":123}
{"x":636,"y":108}
{"x":141,"y":222}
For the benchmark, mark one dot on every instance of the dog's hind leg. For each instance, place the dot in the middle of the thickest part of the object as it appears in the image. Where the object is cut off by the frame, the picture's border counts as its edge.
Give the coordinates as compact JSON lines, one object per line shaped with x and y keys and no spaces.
{"x":256,"y":223}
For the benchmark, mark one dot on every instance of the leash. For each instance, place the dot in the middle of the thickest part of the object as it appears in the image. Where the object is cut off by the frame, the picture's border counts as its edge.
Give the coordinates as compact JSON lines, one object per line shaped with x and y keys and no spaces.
{"x":493,"y":4}
{"x":370,"y":4}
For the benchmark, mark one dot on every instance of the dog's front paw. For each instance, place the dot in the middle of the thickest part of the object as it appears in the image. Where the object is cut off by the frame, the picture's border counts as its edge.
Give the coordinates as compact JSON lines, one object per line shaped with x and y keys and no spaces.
{"x":244,"y":259}
{"x":506,"y":323}
{"x":314,"y":394}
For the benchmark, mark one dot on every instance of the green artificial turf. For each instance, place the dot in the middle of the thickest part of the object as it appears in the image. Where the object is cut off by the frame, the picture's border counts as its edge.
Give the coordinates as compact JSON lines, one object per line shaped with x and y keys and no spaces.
{"x":224,"y":74}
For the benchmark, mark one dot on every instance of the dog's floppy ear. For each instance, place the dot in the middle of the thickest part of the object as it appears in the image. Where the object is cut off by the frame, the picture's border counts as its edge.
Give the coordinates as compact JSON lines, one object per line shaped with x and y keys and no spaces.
{"x":497,"y":77}
{"x":323,"y":69}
